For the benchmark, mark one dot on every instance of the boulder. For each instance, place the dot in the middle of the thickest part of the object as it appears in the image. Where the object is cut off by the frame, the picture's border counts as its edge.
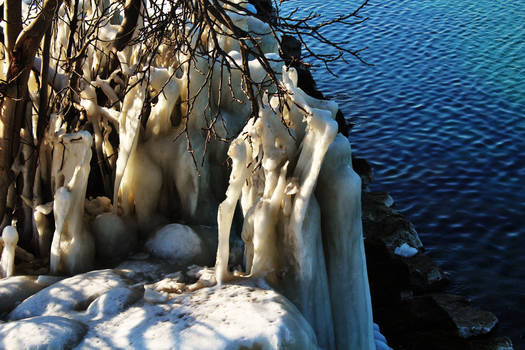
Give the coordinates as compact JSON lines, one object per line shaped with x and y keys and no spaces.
{"x":498,"y":343}
{"x":72,"y":294}
{"x":43,"y":332}
{"x":233,"y":316}
{"x":14,"y":290}
{"x":468,"y":320}
{"x":114,"y":238}
{"x":179,"y":244}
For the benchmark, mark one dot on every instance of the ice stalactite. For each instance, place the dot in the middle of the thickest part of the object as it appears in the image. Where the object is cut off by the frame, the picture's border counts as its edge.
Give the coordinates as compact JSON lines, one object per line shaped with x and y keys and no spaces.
{"x":7,"y":262}
{"x":73,"y":247}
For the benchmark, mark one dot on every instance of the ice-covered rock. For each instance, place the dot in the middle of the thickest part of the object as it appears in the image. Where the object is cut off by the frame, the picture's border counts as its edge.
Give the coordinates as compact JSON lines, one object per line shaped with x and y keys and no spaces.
{"x":380,"y":340}
{"x":15,"y":289}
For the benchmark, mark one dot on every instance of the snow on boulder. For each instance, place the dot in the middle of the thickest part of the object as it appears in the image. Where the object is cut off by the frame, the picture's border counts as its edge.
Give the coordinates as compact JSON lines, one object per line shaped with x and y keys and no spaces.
{"x":15,"y":289}
{"x":69,"y":295}
{"x":178,"y":243}
{"x":44,"y":332}
{"x":112,"y":302}
{"x":240,"y":316}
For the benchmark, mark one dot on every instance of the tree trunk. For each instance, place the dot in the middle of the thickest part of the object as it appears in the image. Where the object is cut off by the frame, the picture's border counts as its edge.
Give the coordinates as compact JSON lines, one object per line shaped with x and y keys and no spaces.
{"x":13,"y":103}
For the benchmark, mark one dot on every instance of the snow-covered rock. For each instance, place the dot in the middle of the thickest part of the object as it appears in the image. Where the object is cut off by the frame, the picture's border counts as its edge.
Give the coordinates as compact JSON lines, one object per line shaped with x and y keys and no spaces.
{"x":236,"y":316}
{"x":113,"y":309}
{"x":178,"y":243}
{"x":14,"y":290}
{"x":44,"y":332}
{"x":112,"y":302}
{"x":75,"y":293}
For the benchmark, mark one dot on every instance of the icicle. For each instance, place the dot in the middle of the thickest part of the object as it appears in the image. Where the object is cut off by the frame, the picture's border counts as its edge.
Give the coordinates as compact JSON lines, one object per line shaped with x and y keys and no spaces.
{"x":7,"y":263}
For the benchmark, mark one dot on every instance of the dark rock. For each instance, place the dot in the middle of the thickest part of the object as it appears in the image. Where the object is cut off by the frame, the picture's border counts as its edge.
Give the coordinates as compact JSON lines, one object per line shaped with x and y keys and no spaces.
{"x":363,"y":169}
{"x":499,"y":343}
{"x":401,"y":287}
{"x":265,"y":9}
{"x":424,"y":274}
{"x":469,"y":320}
{"x":437,"y":321}
{"x":388,"y":277}
{"x":291,"y":48}
{"x":386,"y":225}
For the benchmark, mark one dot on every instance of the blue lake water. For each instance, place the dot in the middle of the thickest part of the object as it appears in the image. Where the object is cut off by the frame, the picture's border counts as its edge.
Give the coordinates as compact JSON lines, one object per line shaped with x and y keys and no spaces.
{"x":441,"y":117}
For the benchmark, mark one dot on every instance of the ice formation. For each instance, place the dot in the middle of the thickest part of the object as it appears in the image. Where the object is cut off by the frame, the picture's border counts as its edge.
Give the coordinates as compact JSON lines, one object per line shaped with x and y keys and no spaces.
{"x":276,"y":167}
{"x":291,"y":174}
{"x":7,"y":262}
{"x":73,"y":247}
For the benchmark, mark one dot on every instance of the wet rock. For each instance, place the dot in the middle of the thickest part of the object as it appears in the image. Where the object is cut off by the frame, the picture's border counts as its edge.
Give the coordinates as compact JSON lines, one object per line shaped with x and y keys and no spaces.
{"x":363,"y":169}
{"x":468,"y":320}
{"x":404,"y":286}
{"x":499,"y":343}
{"x":45,"y":332}
{"x":391,"y":275}
{"x":424,"y":274}
{"x":385,"y":225}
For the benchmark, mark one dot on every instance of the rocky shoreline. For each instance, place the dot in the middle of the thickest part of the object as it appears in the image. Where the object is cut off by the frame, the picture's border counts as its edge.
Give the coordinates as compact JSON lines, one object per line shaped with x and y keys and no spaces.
{"x":409,"y":291}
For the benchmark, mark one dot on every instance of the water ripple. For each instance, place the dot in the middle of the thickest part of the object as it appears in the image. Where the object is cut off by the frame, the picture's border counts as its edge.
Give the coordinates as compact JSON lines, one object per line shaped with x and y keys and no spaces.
{"x":441,"y":116}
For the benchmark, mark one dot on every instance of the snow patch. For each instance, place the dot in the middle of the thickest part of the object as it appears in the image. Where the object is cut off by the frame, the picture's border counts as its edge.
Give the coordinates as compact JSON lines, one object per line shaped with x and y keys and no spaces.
{"x":405,"y":251}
